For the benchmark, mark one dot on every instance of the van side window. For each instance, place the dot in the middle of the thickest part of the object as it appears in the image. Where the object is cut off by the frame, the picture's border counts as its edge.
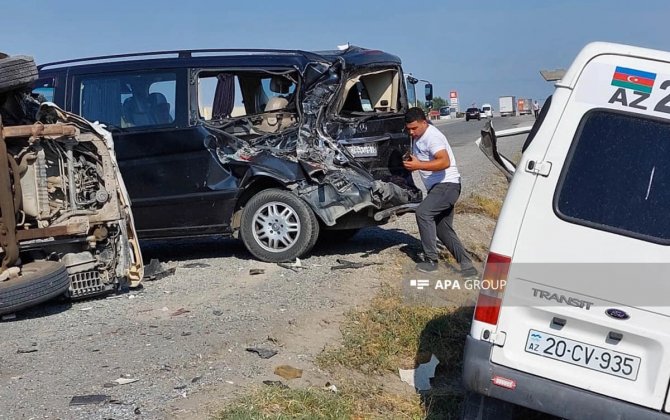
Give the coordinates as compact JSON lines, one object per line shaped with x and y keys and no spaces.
{"x":617,"y":176}
{"x":129,"y":100}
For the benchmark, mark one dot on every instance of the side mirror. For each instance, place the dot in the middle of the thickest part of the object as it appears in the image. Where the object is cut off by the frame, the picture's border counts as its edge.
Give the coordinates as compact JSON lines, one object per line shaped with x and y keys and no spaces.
{"x":429,"y":92}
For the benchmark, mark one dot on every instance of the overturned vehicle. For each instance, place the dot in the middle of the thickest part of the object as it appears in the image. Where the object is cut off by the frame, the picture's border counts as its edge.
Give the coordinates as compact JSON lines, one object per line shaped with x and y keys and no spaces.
{"x":273,"y":146}
{"x":65,"y":221}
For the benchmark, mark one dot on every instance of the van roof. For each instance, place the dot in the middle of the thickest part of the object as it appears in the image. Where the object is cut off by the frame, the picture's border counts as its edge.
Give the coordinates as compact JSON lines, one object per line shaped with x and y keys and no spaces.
{"x":595,"y":49}
{"x":352,"y":56}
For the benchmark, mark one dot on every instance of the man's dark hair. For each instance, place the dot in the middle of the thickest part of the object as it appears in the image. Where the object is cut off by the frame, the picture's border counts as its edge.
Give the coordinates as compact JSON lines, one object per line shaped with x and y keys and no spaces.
{"x":414,"y":114}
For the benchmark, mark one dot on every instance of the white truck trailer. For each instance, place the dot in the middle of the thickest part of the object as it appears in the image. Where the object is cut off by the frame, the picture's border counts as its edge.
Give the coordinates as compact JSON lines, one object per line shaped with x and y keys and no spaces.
{"x":507,"y":106}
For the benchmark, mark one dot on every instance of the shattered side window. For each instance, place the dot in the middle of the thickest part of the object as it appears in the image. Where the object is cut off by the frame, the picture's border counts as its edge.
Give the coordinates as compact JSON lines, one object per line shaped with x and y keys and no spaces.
{"x":371,"y":93}
{"x":129,"y":100}
{"x":219,"y":96}
{"x":224,"y":94}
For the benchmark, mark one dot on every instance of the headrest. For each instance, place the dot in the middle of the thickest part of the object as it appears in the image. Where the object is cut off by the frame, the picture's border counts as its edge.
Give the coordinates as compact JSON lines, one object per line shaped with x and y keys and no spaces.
{"x":276,"y":103}
{"x":157,"y":98}
{"x":280,"y":84}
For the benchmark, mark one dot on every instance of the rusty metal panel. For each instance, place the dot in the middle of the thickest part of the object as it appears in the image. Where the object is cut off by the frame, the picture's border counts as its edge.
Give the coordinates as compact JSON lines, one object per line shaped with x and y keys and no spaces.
{"x":39,"y":130}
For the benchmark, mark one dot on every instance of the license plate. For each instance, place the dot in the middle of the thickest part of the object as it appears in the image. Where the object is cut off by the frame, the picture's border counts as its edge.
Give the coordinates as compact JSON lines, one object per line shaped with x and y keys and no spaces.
{"x":363,"y":150}
{"x":582,"y":354}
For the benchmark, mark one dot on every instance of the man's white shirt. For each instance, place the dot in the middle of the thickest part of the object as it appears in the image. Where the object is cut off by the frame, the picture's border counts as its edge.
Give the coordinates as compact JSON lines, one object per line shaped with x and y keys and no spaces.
{"x":425,"y":148}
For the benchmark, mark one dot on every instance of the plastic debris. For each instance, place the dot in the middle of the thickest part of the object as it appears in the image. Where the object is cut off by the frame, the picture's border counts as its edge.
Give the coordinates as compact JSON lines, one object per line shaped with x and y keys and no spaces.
{"x":89,"y":399}
{"x":345,"y":264}
{"x":263,"y":353}
{"x":279,"y":384}
{"x":295,"y":266}
{"x":256,"y":271}
{"x":156,"y":271}
{"x":125,"y":381}
{"x":419,"y":378}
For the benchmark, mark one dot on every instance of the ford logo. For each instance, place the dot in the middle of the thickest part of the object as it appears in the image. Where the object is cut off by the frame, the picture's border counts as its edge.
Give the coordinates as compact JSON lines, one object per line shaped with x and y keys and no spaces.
{"x":617,"y":314}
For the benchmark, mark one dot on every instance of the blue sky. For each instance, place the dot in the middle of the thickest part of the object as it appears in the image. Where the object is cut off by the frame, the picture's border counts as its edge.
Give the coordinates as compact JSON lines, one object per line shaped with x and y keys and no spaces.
{"x":481,"y":48}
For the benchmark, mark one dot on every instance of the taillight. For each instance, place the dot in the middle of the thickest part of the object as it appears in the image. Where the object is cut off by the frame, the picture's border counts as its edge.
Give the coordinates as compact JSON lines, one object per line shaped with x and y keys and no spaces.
{"x":490,"y":298}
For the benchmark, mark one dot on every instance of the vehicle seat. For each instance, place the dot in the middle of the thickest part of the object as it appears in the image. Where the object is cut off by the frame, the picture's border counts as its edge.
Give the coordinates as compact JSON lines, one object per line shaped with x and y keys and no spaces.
{"x":274,"y":116}
{"x":159,"y":108}
{"x":135,"y":113}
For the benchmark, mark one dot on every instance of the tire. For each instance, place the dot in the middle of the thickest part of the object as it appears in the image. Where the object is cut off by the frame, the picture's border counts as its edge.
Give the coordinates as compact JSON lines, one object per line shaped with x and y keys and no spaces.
{"x":467,"y":119}
{"x":39,"y":281}
{"x":16,"y":72}
{"x":340,"y":235}
{"x":266,"y":218}
{"x":481,"y":407}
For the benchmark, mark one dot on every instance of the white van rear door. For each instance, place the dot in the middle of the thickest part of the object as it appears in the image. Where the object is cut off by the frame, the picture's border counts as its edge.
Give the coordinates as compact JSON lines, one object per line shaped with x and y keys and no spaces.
{"x":588,"y":295}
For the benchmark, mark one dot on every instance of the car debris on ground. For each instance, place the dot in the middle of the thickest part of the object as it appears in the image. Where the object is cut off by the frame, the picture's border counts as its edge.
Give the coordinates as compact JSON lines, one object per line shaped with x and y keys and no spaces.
{"x":263,"y":353}
{"x":89,"y":399}
{"x":346,"y":264}
{"x":419,"y":378}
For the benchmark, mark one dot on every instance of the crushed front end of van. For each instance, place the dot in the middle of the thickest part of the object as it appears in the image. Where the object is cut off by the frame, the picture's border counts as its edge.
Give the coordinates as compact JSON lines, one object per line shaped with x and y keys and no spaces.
{"x":311,"y":158}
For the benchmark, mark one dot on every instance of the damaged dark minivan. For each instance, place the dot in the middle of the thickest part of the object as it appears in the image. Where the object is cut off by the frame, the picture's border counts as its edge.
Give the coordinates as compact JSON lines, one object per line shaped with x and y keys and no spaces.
{"x":273,"y":146}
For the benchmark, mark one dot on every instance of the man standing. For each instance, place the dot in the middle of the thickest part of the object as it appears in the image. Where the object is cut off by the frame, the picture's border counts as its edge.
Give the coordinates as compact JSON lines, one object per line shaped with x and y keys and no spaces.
{"x":433,"y":158}
{"x":536,"y":108}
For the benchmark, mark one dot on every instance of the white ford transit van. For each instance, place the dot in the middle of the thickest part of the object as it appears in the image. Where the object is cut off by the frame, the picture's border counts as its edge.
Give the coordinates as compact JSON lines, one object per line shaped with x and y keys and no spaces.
{"x":579,"y":326}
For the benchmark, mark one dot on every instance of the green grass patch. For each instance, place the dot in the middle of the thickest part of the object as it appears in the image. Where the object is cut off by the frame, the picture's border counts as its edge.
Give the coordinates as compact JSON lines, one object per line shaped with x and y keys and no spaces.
{"x":356,"y":401}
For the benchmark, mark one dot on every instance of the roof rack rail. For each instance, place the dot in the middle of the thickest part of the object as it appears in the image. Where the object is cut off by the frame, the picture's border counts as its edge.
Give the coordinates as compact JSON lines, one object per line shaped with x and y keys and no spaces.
{"x":181,"y":54}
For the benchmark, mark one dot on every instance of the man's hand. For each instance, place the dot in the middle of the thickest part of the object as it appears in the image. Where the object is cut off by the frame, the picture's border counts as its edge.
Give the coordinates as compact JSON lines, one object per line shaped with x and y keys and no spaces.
{"x":412,"y":164}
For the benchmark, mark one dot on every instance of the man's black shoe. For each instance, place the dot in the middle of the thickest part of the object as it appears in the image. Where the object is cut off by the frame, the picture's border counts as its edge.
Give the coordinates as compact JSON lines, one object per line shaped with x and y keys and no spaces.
{"x":428,"y":266}
{"x":469,"y":272}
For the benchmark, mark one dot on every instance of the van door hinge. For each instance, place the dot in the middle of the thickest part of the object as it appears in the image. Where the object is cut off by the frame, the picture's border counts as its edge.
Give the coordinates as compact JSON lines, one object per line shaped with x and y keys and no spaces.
{"x":538,"y":168}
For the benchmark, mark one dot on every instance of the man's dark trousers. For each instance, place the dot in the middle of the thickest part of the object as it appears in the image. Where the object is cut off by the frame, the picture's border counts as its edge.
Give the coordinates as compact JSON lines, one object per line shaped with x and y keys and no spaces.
{"x":435,"y":217}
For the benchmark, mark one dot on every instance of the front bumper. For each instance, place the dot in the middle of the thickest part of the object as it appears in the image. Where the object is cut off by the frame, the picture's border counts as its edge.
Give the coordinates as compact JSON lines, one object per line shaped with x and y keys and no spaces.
{"x":543,"y":394}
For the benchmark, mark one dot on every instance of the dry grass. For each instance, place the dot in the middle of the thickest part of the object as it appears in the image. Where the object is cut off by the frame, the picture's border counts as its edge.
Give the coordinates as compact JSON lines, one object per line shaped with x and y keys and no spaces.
{"x":475,"y":203}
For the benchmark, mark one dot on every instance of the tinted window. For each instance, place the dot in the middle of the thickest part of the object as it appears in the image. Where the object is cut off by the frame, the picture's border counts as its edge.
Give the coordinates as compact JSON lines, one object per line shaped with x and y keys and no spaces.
{"x":129,"y":100}
{"x":617,"y":176}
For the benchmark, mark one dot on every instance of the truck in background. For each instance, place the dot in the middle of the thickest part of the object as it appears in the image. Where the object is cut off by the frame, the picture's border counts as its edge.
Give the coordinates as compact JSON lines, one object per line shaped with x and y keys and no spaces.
{"x":507,"y":106}
{"x":525,"y":106}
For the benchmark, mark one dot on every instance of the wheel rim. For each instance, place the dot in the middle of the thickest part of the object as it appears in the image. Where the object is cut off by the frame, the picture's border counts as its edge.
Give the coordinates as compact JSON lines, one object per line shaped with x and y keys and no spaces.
{"x":276,"y":226}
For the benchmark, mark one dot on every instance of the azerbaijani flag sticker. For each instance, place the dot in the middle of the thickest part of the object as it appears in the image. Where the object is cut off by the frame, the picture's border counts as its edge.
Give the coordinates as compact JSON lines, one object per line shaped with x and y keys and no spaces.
{"x":638,"y":80}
